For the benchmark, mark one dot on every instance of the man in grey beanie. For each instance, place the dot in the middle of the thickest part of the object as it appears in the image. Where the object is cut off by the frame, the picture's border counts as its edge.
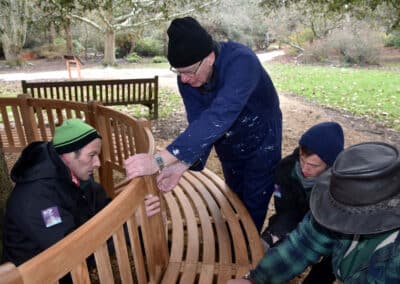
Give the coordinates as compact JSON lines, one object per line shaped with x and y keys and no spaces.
{"x":231,"y":105}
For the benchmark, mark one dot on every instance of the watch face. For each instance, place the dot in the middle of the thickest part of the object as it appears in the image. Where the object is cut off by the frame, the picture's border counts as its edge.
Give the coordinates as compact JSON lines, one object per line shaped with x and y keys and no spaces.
{"x":247,"y":276}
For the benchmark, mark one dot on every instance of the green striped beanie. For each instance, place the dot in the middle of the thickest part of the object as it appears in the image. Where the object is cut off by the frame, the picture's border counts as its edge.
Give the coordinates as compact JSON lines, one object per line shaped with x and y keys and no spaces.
{"x":73,"y":135}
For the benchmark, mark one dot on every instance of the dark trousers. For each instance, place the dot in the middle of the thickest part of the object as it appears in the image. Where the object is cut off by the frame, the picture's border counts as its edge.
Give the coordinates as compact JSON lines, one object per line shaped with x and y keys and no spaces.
{"x":321,"y":273}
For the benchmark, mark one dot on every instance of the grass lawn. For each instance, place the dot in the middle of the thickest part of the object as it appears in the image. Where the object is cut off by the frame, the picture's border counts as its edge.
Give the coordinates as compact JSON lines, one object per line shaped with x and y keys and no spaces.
{"x":369,"y":93}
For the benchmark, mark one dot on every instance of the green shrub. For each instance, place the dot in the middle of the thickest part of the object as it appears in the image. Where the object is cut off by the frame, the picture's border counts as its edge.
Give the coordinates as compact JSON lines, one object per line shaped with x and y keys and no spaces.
{"x":149,"y":47}
{"x":302,"y":37}
{"x":393,"y":40}
{"x":133,"y":58}
{"x":78,"y":47}
{"x":123,"y":44}
{"x":159,"y":59}
{"x":58,"y":48}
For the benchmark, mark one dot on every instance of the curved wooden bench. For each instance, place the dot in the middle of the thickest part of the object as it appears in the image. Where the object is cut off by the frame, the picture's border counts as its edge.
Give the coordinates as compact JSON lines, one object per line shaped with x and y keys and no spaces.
{"x":212,"y":236}
{"x":25,"y":120}
{"x":203,"y":235}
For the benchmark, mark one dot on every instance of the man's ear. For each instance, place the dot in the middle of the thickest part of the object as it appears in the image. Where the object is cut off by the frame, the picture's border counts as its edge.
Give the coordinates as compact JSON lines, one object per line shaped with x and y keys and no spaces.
{"x":67,"y":158}
{"x":211,"y":58}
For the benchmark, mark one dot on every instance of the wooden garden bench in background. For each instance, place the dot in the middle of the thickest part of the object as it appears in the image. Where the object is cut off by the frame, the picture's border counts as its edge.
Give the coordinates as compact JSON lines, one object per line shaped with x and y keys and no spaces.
{"x":108,"y":92}
{"x":204,"y":233}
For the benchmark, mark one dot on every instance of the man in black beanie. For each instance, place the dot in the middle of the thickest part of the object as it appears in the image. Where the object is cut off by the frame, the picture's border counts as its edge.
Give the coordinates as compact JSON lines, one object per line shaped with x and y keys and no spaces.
{"x":231,"y":104}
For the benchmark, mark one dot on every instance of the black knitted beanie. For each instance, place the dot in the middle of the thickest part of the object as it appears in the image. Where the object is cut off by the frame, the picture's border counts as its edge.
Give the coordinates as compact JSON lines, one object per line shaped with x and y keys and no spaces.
{"x":188,"y":42}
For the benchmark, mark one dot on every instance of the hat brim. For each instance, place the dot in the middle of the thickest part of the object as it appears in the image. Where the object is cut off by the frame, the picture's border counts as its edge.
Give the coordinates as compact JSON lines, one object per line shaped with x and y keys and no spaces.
{"x":347,"y":219}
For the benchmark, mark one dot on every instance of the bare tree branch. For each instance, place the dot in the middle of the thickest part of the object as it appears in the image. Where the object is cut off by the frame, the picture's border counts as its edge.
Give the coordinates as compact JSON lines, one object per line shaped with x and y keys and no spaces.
{"x":87,"y":21}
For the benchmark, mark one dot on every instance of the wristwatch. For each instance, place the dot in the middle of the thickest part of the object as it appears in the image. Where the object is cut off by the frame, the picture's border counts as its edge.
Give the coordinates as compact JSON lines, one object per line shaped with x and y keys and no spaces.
{"x":159,"y":161}
{"x":247,"y":276}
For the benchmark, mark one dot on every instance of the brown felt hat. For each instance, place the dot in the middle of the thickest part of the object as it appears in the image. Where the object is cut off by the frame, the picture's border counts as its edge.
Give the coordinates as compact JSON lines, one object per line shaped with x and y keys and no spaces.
{"x":360,"y":194}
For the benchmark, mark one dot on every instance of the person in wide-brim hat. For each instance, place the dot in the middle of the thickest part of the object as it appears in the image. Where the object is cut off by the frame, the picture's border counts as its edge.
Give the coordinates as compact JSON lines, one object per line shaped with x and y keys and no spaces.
{"x":355,"y":218}
{"x":361,"y":194}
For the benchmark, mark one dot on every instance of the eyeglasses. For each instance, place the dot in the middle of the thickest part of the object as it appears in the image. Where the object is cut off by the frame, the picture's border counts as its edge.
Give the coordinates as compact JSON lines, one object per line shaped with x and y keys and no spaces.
{"x":187,"y":73}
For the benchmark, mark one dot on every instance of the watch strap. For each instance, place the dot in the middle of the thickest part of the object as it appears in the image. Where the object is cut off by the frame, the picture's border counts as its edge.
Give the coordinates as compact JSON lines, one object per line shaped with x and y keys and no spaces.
{"x":159,"y":160}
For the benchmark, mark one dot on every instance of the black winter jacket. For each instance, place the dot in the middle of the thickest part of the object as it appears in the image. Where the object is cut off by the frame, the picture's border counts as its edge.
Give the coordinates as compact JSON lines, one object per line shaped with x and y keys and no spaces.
{"x":291,"y":200}
{"x":42,"y":181}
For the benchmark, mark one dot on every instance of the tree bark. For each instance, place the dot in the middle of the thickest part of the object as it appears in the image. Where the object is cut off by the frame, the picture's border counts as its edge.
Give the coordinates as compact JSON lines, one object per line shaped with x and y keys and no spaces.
{"x":5,"y":180}
{"x":109,"y":47}
{"x":5,"y":189}
{"x":13,"y":23}
{"x":68,"y":37}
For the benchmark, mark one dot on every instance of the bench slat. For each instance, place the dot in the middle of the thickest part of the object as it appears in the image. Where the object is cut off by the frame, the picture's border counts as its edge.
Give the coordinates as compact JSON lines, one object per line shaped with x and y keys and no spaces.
{"x":222,"y":234}
{"x":137,"y":250}
{"x":172,"y":273}
{"x":103,"y":264}
{"x":80,"y":274}
{"x":207,"y":238}
{"x":192,"y":234}
{"x":256,"y":249}
{"x":122,"y":256}
{"x":189,"y":273}
{"x":177,"y":240}
{"x":7,"y":128}
{"x":240,"y":249}
{"x":206,"y":274}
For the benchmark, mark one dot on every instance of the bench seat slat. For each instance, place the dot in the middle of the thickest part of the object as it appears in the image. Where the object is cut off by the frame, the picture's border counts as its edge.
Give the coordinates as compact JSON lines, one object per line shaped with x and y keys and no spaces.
{"x":206,"y":274}
{"x":192,"y":234}
{"x":207,"y":238}
{"x":172,"y":272}
{"x":189,"y":273}
{"x":222,"y":234}
{"x":256,"y":249}
{"x":177,"y":240}
{"x":239,"y":244}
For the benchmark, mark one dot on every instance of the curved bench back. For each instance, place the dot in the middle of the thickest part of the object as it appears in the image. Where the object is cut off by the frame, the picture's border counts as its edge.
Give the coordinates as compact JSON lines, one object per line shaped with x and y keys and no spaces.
{"x":25,"y":120}
{"x":120,"y":233}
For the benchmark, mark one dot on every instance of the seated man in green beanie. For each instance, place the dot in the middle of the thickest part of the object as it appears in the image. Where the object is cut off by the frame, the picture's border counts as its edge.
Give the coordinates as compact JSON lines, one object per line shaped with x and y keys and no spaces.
{"x":55,"y":191}
{"x":354,"y":218}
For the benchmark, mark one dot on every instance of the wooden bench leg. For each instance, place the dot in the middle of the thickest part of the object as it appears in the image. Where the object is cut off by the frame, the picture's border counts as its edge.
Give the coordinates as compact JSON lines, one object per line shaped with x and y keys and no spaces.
{"x":69,"y":70}
{"x":78,"y":69}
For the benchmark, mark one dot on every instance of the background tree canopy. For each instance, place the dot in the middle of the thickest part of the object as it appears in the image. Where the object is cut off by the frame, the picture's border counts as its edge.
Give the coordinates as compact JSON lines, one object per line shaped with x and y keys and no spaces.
{"x":113,"y":29}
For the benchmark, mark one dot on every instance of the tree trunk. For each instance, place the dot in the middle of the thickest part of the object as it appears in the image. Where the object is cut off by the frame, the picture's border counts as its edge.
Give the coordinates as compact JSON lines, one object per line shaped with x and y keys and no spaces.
{"x":11,"y":51}
{"x":52,"y":33}
{"x":13,"y":25}
{"x":68,"y":37}
{"x":5,"y":189}
{"x":109,"y":47}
